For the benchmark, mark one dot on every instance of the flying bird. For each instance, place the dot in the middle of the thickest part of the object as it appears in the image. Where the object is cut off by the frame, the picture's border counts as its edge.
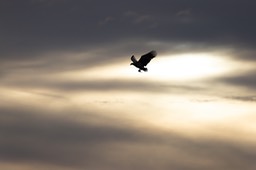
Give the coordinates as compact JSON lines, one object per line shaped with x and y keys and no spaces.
{"x":143,"y":61}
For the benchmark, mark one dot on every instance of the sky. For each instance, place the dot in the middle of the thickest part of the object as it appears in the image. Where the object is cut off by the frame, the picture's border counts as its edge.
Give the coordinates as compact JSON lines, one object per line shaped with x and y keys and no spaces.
{"x":70,"y":100}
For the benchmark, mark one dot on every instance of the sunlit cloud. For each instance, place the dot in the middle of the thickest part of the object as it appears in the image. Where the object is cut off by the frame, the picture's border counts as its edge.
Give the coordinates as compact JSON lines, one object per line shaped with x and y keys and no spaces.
{"x":179,"y":67}
{"x":189,"y":67}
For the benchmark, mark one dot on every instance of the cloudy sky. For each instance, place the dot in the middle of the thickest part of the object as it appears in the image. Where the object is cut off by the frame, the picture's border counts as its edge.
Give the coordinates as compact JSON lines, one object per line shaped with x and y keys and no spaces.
{"x":69,"y":99}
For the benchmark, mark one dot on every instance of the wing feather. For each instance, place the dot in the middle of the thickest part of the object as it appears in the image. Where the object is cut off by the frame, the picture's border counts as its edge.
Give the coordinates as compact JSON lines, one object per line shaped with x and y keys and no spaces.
{"x":134,"y":59}
{"x":146,"y":58}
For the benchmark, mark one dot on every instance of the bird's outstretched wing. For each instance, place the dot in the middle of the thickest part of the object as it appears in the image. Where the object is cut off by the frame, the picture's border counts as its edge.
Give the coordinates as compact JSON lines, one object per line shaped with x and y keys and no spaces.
{"x":134,"y":59}
{"x":145,"y":59}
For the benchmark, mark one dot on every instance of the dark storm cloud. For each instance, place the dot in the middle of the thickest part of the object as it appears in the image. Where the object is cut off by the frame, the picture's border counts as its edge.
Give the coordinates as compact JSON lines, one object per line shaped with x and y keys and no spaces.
{"x":31,"y":28}
{"x":99,"y":142}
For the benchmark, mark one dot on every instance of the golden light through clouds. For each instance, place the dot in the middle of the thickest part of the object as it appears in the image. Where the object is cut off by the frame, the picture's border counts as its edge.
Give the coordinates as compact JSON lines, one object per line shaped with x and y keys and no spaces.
{"x":180,"y":67}
{"x":176,"y":95}
{"x":189,"y":66}
{"x":192,"y":110}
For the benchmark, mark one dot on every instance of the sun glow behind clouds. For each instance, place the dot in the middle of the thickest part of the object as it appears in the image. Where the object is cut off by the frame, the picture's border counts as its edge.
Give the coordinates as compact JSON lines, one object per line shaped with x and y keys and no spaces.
{"x":179,"y":67}
{"x":189,"y":66}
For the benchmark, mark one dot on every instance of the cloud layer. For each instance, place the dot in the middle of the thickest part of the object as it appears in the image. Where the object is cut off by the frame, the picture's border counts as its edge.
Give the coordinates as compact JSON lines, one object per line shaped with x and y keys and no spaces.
{"x":59,"y":95}
{"x":79,"y":140}
{"x":33,"y":28}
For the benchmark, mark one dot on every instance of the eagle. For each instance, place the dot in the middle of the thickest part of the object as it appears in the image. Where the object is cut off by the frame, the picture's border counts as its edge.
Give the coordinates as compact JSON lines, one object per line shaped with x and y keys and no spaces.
{"x":143,"y":61}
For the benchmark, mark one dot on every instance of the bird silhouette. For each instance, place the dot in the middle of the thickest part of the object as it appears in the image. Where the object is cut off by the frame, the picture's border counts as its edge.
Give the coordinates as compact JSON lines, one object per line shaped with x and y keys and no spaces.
{"x":143,"y":61}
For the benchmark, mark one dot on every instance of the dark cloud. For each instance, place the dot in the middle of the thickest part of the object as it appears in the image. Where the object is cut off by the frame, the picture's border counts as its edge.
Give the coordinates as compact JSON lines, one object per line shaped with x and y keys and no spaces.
{"x":30,"y":79}
{"x":243,"y":98}
{"x":55,"y":139}
{"x":245,"y":80}
{"x":87,"y":140}
{"x":32,"y":28}
{"x":97,"y":85}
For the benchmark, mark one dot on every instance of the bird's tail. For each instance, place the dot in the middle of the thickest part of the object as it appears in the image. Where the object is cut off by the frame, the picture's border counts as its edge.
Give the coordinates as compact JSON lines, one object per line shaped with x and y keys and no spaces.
{"x":145,"y":69}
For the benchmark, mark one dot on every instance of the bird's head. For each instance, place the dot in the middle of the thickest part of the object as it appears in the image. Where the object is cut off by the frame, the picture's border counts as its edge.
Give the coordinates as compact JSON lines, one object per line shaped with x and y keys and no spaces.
{"x":153,"y":53}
